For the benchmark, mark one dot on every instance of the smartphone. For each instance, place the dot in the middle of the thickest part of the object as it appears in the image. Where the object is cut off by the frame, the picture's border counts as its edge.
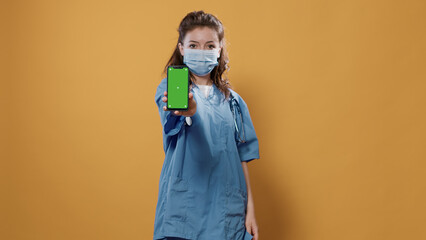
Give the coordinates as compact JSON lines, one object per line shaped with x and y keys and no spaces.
{"x":177,"y":87}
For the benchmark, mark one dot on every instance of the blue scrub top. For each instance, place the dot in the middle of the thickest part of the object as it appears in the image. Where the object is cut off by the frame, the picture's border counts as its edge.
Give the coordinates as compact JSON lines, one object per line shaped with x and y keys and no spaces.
{"x":202,"y":189}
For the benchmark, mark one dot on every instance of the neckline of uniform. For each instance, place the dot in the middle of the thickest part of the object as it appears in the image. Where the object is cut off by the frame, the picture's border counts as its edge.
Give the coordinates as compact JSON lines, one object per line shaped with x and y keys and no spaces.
{"x":211,"y":94}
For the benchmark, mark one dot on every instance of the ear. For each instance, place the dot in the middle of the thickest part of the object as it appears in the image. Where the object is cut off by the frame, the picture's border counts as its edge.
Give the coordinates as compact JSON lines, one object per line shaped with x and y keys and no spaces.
{"x":220,"y":50}
{"x":180,"y":48}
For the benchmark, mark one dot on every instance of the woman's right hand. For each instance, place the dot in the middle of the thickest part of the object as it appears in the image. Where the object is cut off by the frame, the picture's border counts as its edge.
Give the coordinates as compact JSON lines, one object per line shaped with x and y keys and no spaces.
{"x":192,"y":106}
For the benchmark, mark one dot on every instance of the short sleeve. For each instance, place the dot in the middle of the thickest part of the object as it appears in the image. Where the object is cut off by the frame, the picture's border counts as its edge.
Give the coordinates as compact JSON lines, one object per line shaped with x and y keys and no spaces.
{"x":171,"y":123}
{"x":249,"y":150}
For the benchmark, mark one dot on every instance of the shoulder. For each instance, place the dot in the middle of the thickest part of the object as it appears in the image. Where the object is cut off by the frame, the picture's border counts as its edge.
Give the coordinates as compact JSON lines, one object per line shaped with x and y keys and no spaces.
{"x":162,"y":86}
{"x":234,"y":93}
{"x":237,"y":96}
{"x":163,"y":83}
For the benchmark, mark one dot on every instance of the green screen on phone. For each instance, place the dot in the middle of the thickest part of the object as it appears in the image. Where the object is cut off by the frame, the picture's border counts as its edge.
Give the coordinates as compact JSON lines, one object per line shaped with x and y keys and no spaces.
{"x":177,"y":87}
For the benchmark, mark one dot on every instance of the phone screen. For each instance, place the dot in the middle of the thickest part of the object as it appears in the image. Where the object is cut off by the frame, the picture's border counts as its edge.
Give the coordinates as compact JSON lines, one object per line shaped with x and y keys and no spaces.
{"x":177,"y":87}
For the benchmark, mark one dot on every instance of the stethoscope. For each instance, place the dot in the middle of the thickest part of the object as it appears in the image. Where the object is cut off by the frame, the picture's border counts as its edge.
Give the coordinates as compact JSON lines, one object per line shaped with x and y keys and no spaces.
{"x":235,"y":108}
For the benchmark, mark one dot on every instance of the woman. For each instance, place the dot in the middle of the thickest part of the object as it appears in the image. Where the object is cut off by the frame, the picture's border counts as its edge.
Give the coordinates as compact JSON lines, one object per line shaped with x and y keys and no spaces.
{"x":204,"y":189}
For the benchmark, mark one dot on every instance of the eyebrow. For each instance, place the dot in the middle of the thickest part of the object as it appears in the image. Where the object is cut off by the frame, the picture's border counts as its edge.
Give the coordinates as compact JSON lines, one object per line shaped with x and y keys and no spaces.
{"x":197,"y":42}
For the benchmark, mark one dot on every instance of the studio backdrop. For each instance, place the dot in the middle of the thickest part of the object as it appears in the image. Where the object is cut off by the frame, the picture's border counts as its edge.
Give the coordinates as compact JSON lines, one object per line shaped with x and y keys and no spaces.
{"x":336,"y":91}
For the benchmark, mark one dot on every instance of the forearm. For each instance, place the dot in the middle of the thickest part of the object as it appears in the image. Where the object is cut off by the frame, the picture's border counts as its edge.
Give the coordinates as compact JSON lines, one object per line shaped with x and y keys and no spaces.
{"x":250,"y":203}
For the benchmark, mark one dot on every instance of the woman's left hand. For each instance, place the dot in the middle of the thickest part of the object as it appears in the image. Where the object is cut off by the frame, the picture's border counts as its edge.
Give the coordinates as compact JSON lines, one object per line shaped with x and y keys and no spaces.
{"x":251,"y":224}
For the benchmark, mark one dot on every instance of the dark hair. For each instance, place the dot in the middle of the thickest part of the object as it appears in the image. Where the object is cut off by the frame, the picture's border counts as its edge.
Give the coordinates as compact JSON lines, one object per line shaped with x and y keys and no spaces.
{"x":201,"y":19}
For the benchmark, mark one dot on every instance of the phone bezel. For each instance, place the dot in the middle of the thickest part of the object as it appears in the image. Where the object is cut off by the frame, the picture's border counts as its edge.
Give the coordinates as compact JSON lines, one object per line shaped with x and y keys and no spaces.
{"x":187,"y":99}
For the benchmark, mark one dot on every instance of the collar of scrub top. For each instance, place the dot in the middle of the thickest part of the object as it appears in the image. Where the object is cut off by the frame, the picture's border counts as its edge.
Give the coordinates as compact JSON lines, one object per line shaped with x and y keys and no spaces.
{"x":188,"y":120}
{"x":236,"y":111}
{"x":211,"y":91}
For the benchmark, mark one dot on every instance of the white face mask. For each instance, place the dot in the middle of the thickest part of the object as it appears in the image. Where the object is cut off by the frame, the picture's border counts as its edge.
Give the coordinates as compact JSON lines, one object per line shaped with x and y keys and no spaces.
{"x":201,"y":62}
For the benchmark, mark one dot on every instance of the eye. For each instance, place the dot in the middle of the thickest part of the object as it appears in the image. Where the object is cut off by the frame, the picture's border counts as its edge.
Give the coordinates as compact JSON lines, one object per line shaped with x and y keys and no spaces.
{"x":190,"y":45}
{"x":211,"y":46}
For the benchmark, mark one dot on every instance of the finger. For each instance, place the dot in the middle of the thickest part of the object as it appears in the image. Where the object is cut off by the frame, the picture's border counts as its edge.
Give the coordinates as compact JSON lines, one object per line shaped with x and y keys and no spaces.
{"x":177,"y":112}
{"x":248,"y":228}
{"x":164,"y":99}
{"x":165,"y":93}
{"x":164,"y":108}
{"x":255,"y":233}
{"x":190,"y":95}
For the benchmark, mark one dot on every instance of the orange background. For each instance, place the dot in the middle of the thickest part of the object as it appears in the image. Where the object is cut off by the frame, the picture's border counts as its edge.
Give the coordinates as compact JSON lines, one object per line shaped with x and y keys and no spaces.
{"x":336,"y":90}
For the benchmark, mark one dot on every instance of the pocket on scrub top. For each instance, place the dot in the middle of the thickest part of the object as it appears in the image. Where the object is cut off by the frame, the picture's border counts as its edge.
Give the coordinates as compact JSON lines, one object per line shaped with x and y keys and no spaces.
{"x":177,"y":199}
{"x":235,"y":208}
{"x":248,"y":236}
